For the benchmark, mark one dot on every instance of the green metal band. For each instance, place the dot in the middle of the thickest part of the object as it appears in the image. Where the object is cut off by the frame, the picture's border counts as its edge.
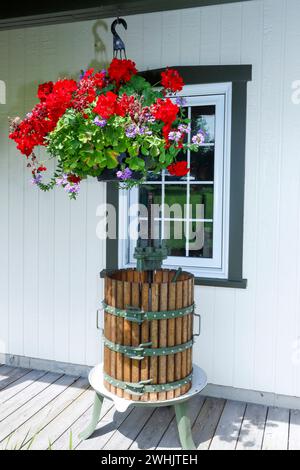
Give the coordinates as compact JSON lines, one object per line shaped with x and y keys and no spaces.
{"x":138,"y":316}
{"x":145,"y":386}
{"x":142,"y":351}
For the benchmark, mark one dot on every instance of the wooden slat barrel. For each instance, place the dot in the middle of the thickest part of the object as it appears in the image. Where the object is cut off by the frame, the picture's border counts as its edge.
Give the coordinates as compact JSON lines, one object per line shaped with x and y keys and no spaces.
{"x":148,"y":359}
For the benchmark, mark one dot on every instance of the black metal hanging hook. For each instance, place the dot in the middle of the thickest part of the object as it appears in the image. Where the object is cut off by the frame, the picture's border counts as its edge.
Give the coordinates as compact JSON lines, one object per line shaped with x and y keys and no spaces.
{"x":119,"y":45}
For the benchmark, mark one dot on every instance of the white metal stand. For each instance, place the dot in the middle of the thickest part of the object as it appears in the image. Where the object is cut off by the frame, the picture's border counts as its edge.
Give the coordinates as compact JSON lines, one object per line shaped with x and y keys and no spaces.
{"x":180,"y":404}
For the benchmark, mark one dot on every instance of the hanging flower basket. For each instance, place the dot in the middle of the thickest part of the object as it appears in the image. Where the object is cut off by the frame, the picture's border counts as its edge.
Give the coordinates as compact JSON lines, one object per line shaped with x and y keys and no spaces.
{"x":112,"y":125}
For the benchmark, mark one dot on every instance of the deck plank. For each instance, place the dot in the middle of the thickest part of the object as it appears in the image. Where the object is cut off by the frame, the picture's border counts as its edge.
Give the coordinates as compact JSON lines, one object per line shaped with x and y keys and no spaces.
{"x":107,"y":427}
{"x":253,"y":427}
{"x":129,"y":429}
{"x":19,"y":400}
{"x":277,"y":429}
{"x":35,"y":425}
{"x":207,"y":421}
{"x":4,"y":371}
{"x":170,"y":439}
{"x":62,"y":443}
{"x":294,"y":436}
{"x":159,"y":421}
{"x":20,"y":385}
{"x":53,"y":430}
{"x":30,"y":408}
{"x":229,"y":426}
{"x":11,"y":375}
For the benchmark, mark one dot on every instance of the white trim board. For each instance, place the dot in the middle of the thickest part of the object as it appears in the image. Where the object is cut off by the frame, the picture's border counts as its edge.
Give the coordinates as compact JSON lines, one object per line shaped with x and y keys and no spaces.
{"x":45,"y":364}
{"x":252,"y":396}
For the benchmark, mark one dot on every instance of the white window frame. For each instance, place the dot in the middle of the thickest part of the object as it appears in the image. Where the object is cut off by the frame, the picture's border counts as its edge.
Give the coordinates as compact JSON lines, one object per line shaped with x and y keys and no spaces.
{"x":220,"y":95}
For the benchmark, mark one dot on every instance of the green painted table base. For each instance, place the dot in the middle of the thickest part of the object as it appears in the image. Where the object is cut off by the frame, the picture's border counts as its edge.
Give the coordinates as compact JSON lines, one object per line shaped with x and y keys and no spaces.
{"x":183,"y":422}
{"x":98,"y":402}
{"x":96,"y":379}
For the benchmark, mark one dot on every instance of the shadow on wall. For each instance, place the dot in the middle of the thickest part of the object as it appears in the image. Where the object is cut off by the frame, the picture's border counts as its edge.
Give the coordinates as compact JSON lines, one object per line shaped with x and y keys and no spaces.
{"x":101,"y":58}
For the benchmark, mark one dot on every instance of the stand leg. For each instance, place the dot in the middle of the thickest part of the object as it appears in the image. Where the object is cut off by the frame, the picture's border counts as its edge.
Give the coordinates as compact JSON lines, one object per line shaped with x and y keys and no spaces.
{"x":95,"y":418}
{"x":184,"y":427}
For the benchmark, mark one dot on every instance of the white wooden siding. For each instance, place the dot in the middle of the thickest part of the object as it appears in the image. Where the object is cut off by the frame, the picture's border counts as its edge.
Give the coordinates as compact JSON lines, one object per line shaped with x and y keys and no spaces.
{"x":50,"y":256}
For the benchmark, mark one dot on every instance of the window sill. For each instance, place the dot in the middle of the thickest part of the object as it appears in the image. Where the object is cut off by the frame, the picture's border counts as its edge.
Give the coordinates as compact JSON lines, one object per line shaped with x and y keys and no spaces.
{"x":242,"y":284}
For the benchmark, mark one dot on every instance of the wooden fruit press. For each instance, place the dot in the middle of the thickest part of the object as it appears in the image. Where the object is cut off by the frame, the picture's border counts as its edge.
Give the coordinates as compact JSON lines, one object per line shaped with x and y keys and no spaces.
{"x":148,"y":338}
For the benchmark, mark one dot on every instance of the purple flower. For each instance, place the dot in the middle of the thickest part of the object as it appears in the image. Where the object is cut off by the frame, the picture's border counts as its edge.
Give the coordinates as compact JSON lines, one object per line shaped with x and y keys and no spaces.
{"x":72,"y":188}
{"x":184,"y":128}
{"x":149,"y":118}
{"x":125,"y":174}
{"x":131,"y":131}
{"x":62,"y":180}
{"x":100,"y":122}
{"x":175,"y":136}
{"x":199,"y":138}
{"x":37,"y":179}
{"x":181,"y":101}
{"x":145,"y":131}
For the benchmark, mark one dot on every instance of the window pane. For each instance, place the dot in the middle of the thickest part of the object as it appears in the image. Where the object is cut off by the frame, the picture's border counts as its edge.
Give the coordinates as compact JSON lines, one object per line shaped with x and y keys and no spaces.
{"x":201,"y":239}
{"x":156,"y":229}
{"x":203,"y":117}
{"x":201,"y":200}
{"x":155,"y":189}
{"x":175,"y":237}
{"x":176,"y":196}
{"x":202,"y":164}
{"x":153,"y":176}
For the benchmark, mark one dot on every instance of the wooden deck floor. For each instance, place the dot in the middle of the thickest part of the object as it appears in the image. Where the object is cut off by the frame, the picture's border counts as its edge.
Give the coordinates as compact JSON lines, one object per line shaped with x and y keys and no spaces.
{"x":44,"y":409}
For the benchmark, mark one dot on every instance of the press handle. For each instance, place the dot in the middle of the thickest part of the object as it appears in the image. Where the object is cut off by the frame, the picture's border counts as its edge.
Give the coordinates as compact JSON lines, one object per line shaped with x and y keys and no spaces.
{"x":199,"y":324}
{"x":98,"y":326}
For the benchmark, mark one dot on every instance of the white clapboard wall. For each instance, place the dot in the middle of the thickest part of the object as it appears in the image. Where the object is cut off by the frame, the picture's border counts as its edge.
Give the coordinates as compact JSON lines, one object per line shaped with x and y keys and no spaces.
{"x":49,"y":254}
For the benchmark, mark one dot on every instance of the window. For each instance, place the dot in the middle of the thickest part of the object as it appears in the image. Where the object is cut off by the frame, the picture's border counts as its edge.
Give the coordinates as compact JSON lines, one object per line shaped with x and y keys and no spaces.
{"x":196,"y":231}
{"x":217,"y":94}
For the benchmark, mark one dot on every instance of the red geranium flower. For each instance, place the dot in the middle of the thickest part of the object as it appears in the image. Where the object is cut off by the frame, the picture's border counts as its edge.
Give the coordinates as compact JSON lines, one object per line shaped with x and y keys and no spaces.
{"x":106,"y":105}
{"x":121,"y":70}
{"x":60,"y":99}
{"x":165,"y":110}
{"x":171,"y":80}
{"x":55,"y":99}
{"x":124,"y":104}
{"x":44,"y":90}
{"x":32,"y":130}
{"x":65,"y":86}
{"x":74,"y":179}
{"x":41,"y":168}
{"x":99,"y":79}
{"x":88,"y":73}
{"x":178,"y":169}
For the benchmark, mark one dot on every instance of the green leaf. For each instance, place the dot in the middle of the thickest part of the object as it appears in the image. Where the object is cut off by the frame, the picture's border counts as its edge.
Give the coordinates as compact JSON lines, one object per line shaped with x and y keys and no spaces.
{"x":154,"y":151}
{"x":111,"y":159}
{"x":145,"y":151}
{"x":150,"y":96}
{"x":139,"y":83}
{"x":136,"y":163}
